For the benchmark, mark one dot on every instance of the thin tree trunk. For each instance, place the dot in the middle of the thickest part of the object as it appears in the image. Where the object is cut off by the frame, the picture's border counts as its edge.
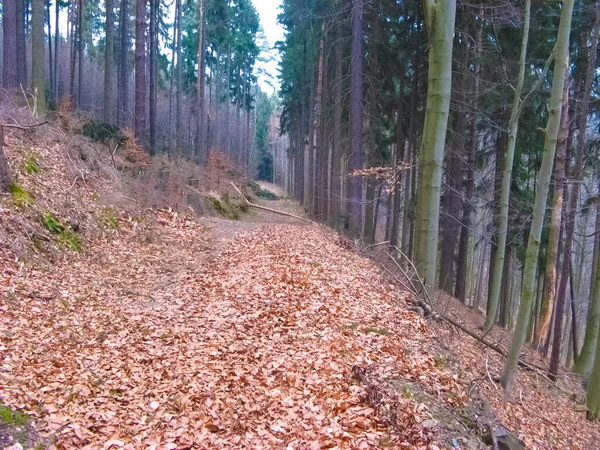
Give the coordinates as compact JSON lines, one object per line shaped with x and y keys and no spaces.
{"x":439,"y":18}
{"x":56,"y":35}
{"x":5,"y":175}
{"x":336,"y":158}
{"x":50,"y":60}
{"x":140,"y":71}
{"x":549,"y":294}
{"x":79,"y":51}
{"x":496,"y":278}
{"x":541,"y":196}
{"x":38,"y":67}
{"x":200,"y":81}
{"x":123,"y":98}
{"x":179,"y":83}
{"x":21,"y":47}
{"x":109,"y":64}
{"x":154,"y":5}
{"x":318,"y":141}
{"x":586,"y":357}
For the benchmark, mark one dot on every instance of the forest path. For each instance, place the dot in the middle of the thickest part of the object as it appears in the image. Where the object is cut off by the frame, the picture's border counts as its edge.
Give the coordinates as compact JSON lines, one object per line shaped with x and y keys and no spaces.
{"x":172,"y":334}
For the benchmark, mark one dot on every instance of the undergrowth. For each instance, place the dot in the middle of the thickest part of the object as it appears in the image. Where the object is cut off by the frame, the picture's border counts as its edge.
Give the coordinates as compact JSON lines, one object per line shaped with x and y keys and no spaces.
{"x":21,"y":196}
{"x":66,"y":236}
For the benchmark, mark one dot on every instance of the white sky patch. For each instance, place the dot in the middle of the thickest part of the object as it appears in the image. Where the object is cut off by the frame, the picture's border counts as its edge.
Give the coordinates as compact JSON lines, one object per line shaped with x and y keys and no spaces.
{"x":267,"y":68}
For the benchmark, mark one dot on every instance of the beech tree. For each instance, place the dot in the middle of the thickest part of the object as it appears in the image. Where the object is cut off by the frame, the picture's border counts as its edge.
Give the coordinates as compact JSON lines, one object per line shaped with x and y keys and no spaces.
{"x":439,"y":19}
{"x":543,"y":180}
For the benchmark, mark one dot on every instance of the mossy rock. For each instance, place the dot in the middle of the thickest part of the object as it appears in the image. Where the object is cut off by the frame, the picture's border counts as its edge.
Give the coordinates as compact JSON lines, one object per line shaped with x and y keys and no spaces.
{"x":227,"y":207}
{"x":17,"y":427}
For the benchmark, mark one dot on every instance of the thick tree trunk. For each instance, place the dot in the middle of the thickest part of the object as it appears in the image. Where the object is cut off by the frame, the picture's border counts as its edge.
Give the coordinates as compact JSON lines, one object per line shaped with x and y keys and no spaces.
{"x":109,"y":94}
{"x":541,"y":196}
{"x":38,"y":66}
{"x":9,"y":45}
{"x":140,"y":71}
{"x":439,"y":19}
{"x":496,"y":277}
{"x":356,"y":122}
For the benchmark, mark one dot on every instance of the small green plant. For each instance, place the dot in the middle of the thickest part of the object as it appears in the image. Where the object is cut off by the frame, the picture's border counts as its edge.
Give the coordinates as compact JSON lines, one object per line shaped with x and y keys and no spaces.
{"x":31,"y":166}
{"x":21,"y":197}
{"x":109,"y":219}
{"x":10,"y":417}
{"x":66,"y":236}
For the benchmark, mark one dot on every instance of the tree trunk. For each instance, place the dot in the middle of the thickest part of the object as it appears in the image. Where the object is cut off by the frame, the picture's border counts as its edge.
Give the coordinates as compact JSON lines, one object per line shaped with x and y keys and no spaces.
{"x":5,"y":175}
{"x":496,"y":278}
{"x":541,"y":196}
{"x":317,"y":138}
{"x":549,"y":294}
{"x":560,"y":183}
{"x":9,"y":45}
{"x":460,"y":290}
{"x":56,"y":36}
{"x":586,"y":357}
{"x":336,"y":158}
{"x":122,"y":110}
{"x":140,"y":71}
{"x":439,"y":19}
{"x":200,"y":81}
{"x":79,"y":51}
{"x":50,"y":61}
{"x":38,"y":67}
{"x":152,"y":86}
{"x":21,"y":45}
{"x":179,"y":83}
{"x":109,"y":63}
{"x":356,"y":122}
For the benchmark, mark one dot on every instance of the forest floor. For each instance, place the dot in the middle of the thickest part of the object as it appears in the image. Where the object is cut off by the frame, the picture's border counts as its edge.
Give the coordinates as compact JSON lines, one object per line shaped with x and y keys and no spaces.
{"x":169,"y":330}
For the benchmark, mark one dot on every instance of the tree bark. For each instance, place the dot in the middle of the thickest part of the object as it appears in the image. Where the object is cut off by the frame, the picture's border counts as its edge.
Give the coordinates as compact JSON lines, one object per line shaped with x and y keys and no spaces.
{"x":21,"y":45}
{"x":439,"y":19}
{"x":586,"y":357}
{"x":38,"y":66}
{"x":496,"y":274}
{"x":336,"y":158}
{"x":5,"y":175}
{"x":152,"y":86}
{"x":541,"y":196}
{"x":560,"y":184}
{"x":9,"y":45}
{"x":200,"y":81}
{"x":123,"y":98}
{"x":356,"y":122}
{"x":140,"y":71}
{"x":109,"y":94}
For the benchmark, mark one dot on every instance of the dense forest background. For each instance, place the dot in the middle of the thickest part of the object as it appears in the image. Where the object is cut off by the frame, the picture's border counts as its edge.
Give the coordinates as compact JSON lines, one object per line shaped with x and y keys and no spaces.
{"x":463,"y":135}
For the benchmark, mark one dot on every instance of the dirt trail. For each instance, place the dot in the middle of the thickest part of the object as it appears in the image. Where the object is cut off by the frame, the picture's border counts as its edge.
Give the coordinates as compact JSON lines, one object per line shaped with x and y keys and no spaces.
{"x":171,"y":334}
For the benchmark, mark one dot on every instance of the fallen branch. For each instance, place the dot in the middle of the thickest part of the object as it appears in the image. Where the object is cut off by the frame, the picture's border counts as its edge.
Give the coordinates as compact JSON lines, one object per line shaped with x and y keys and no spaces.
{"x":276,"y":211}
{"x":24,"y":127}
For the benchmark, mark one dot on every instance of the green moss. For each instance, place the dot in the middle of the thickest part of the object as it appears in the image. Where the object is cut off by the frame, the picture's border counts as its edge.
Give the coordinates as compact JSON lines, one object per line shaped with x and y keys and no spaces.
{"x":31,"y":165}
{"x":10,"y":417}
{"x":267,"y":194}
{"x":66,"y":237}
{"x":225,"y":207}
{"x":21,"y":197}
